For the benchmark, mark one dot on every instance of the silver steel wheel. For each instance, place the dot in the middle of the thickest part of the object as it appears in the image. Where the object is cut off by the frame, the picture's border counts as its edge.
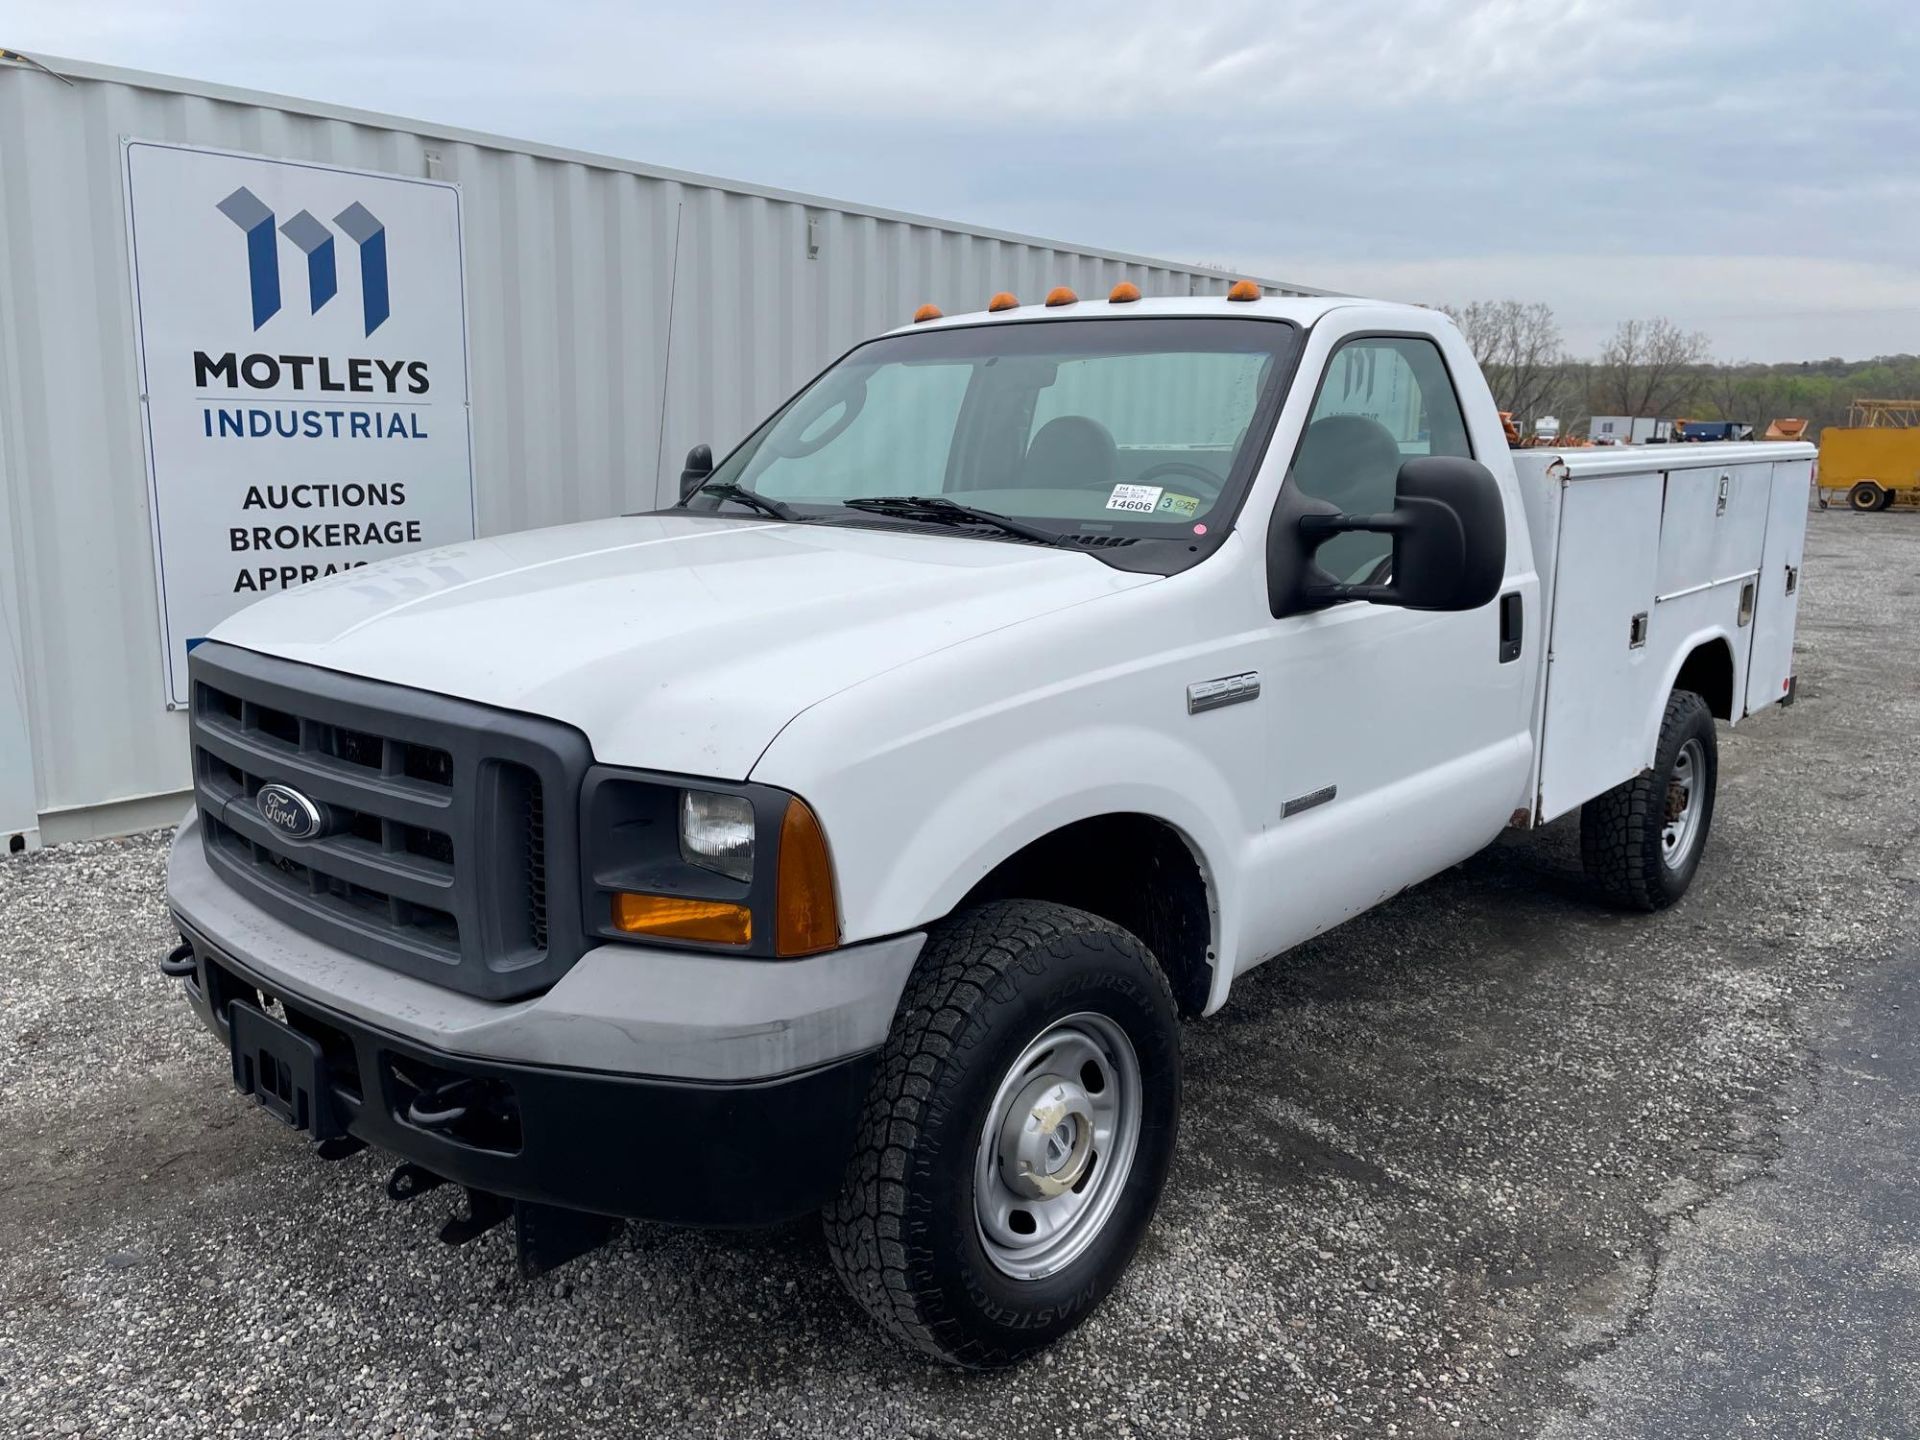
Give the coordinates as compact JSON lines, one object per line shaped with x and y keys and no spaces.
{"x":1057,"y":1146}
{"x":1684,"y":795}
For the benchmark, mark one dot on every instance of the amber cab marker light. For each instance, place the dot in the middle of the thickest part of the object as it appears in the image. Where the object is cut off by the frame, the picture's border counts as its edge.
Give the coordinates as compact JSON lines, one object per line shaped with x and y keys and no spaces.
{"x":1125,"y":293}
{"x":926,"y":313}
{"x":679,"y":917}
{"x":807,"y":920}
{"x":1003,"y":300}
{"x":1244,"y":290}
{"x":1061,"y":295}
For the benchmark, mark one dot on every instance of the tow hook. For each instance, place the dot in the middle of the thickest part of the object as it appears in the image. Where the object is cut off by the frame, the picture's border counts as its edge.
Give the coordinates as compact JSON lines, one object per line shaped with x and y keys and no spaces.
{"x":439,"y":1108}
{"x":179,"y":963}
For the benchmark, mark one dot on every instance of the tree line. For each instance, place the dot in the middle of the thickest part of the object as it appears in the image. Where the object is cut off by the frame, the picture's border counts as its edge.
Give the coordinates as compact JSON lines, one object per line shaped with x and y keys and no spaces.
{"x":1654,"y":368}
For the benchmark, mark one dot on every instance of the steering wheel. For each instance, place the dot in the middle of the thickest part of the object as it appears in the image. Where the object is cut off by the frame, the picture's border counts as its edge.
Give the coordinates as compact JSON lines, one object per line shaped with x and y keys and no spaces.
{"x":1212,"y":481}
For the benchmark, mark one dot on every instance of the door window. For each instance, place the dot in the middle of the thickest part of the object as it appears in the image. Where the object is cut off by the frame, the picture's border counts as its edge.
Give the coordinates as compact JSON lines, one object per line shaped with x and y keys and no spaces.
{"x":1384,"y":399}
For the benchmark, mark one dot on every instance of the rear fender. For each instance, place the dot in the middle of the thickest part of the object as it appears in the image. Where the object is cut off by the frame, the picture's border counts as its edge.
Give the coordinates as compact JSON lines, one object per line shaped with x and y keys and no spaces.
{"x":1650,"y":733}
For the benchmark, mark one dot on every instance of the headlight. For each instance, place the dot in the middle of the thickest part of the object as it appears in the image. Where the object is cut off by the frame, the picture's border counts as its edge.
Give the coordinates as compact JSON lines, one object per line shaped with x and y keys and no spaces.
{"x":716,"y":832}
{"x":744,"y":869}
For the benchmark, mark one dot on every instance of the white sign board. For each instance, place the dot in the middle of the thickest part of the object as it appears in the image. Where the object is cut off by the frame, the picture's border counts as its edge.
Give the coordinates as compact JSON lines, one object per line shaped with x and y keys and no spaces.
{"x":303,"y":368}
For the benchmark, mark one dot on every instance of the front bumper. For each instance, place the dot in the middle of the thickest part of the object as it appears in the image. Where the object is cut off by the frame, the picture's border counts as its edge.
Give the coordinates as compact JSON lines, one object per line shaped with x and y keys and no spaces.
{"x":684,"y":1153}
{"x":648,"y":1084}
{"x":625,"y":1009}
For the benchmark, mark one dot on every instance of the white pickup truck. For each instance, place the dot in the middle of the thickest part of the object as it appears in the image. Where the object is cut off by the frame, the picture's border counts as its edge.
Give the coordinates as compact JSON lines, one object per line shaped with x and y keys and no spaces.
{"x":852,"y":836}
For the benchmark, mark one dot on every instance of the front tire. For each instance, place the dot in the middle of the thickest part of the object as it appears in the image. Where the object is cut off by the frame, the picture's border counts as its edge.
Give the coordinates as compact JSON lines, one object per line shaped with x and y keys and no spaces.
{"x":1017,"y":1135}
{"x":1640,"y":842}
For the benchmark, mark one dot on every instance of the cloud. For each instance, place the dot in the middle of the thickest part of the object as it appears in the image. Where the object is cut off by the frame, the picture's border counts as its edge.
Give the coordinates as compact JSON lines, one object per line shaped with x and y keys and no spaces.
{"x":1085,"y":63}
{"x":1740,"y":166}
{"x":1752,"y":307}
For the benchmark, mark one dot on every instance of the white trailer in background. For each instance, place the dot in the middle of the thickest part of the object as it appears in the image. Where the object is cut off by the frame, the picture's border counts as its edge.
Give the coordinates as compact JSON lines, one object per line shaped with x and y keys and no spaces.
{"x":1628,"y":430}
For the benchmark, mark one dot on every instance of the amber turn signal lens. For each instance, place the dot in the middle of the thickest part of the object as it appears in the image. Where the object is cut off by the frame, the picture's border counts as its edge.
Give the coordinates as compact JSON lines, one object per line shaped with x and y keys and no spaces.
{"x":1003,"y":300}
{"x":1061,"y":295}
{"x":1244,"y":290}
{"x":676,"y":917}
{"x":926,"y":313}
{"x":1125,"y":293}
{"x":807,"y":920}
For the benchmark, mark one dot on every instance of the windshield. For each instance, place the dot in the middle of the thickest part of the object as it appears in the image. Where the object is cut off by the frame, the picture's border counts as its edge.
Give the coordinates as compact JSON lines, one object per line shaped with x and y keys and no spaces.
{"x":1148,"y":428}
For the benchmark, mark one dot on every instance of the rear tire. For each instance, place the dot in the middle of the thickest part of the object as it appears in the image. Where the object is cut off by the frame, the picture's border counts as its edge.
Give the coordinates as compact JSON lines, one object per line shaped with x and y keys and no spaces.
{"x":1866,"y":496}
{"x":1640,"y":842}
{"x":979,"y":1219}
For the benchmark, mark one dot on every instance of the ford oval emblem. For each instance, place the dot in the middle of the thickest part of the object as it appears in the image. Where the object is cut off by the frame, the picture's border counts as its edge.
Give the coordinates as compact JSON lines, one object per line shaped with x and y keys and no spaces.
{"x":290,"y":812}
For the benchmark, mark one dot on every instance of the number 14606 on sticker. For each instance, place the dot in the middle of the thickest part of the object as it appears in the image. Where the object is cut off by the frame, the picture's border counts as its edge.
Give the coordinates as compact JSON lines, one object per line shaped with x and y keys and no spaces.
{"x":1134,"y":497}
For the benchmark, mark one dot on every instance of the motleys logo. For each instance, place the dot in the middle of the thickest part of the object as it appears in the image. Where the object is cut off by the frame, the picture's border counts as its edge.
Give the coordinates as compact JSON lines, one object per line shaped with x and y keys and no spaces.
{"x":314,"y":240}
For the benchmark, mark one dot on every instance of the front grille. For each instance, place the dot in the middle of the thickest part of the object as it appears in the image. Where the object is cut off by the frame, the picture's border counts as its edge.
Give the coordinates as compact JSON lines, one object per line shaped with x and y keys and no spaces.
{"x":441,"y":839}
{"x":429,"y":925}
{"x":535,"y":841}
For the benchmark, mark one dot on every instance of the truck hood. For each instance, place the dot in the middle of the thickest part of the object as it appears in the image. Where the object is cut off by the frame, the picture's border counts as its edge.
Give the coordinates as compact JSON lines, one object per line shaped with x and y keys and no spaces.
{"x":674,"y":642}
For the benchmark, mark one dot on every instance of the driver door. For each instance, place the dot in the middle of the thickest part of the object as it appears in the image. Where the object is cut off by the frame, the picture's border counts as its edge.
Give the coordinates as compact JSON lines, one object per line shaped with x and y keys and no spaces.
{"x":1399,"y":739}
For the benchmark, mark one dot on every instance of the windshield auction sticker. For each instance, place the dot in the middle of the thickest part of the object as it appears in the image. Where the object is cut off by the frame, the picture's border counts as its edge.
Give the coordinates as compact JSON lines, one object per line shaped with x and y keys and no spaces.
{"x":303,"y":370}
{"x":1141,"y":498}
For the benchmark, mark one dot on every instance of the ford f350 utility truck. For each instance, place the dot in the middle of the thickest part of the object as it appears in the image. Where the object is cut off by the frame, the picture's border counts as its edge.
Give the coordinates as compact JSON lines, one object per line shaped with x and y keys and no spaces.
{"x":852,"y":836}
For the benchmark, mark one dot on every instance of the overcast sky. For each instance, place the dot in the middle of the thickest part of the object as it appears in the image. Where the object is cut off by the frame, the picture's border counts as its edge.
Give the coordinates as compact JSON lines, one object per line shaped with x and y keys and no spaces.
{"x":1750,"y":170}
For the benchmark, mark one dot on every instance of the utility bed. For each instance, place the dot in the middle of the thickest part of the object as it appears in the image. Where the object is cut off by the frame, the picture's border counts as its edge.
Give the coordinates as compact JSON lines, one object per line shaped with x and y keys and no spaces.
{"x":1642,"y":551}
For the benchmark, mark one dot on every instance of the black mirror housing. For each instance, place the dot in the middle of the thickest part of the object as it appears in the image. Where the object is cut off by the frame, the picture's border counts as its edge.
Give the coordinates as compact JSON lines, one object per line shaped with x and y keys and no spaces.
{"x":1449,"y":531}
{"x":698,"y":471}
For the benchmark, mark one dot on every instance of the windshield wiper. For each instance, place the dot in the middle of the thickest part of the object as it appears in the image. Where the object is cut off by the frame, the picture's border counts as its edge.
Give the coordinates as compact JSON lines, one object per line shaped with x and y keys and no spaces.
{"x":942,"y":511}
{"x":752,"y":499}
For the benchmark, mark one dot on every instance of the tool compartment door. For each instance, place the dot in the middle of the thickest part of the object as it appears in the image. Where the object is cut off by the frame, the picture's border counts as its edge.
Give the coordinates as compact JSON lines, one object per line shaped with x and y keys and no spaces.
{"x":1600,"y":678}
{"x":1712,"y":534}
{"x":1713,"y":521}
{"x":1777,"y":601}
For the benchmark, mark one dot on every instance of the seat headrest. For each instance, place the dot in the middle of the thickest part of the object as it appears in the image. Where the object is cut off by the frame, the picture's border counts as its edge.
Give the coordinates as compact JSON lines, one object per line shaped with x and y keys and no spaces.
{"x":1348,"y":458}
{"x":1072,"y":451}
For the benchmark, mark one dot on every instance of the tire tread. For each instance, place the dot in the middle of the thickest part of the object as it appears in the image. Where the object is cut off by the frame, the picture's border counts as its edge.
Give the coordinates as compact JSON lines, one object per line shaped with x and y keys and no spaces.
{"x":968,"y":959}
{"x":1620,"y":830}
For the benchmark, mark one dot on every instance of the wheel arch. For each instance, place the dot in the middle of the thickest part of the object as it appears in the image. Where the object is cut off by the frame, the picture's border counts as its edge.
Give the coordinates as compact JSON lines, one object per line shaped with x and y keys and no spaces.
{"x":1138,"y":870}
{"x":1704,"y":663}
{"x":1708,"y":669}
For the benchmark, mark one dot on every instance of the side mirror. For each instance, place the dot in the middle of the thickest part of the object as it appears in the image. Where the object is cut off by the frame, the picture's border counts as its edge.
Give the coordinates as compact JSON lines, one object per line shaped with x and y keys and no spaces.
{"x":1449,"y":532}
{"x":699,"y":470}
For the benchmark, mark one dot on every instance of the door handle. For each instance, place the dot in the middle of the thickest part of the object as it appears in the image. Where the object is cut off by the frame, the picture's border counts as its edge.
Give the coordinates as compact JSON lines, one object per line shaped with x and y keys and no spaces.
{"x":1512,"y":626}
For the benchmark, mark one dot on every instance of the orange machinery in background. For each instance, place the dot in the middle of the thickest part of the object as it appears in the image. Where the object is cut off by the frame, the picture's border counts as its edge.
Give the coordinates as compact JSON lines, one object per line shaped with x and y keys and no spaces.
{"x":1517,"y":441}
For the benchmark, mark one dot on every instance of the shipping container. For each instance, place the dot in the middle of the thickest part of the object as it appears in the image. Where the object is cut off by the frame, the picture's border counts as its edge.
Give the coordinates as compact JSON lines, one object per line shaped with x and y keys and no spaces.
{"x":612,"y":314}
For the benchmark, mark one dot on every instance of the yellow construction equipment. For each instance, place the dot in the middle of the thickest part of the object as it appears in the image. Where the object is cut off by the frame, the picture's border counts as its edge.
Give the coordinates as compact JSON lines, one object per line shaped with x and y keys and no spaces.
{"x":1875,"y":456}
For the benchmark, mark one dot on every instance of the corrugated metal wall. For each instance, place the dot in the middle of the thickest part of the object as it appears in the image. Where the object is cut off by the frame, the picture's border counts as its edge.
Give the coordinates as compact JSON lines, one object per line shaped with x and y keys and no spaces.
{"x":618,"y":314}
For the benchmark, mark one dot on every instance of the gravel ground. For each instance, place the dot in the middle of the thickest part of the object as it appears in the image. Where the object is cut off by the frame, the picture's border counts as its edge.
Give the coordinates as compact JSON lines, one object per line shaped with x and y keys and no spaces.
{"x":1441,"y":1170}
